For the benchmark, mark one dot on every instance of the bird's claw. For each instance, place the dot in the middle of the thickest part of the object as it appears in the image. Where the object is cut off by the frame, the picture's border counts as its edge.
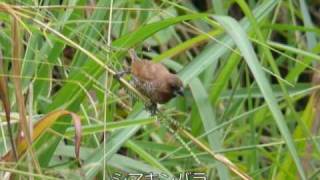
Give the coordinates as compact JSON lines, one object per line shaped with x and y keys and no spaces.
{"x":152,"y":108}
{"x":119,"y":74}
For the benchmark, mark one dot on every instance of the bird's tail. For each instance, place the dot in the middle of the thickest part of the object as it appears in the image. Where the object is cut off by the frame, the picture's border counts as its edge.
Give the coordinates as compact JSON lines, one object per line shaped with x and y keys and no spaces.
{"x":133,"y":55}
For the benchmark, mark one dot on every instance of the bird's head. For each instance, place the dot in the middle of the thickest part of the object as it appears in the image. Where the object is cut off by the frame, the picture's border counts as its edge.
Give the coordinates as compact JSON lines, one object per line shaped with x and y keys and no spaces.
{"x":176,"y":86}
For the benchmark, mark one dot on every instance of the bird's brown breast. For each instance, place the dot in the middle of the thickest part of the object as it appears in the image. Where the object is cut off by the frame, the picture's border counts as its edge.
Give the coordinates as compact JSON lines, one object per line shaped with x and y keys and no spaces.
{"x":152,"y":79}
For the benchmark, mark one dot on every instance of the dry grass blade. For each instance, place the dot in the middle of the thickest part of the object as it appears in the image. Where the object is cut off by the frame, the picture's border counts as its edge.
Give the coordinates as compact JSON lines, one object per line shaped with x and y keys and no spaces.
{"x":4,"y":96}
{"x":23,"y":132}
{"x":46,"y":122}
{"x":218,"y":157}
{"x":16,"y":68}
{"x":77,"y":138}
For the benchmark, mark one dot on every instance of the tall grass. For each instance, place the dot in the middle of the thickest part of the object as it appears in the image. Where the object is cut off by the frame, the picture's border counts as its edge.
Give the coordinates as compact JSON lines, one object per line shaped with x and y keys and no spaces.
{"x":250,"y":70}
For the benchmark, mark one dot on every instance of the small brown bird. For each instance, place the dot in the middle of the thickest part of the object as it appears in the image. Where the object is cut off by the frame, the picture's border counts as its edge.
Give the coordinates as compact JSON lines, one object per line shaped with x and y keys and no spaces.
{"x":154,"y":81}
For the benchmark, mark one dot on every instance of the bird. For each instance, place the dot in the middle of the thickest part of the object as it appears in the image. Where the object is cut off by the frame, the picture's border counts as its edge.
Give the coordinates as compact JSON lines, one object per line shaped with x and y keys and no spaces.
{"x":153,"y":80}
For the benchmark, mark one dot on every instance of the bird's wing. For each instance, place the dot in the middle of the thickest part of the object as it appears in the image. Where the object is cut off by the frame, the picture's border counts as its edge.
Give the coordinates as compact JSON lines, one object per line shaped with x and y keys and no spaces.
{"x":149,"y":71}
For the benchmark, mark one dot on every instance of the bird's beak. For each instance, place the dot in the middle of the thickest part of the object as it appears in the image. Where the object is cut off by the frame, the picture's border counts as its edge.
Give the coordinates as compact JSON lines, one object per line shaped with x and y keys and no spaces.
{"x":179,"y":92}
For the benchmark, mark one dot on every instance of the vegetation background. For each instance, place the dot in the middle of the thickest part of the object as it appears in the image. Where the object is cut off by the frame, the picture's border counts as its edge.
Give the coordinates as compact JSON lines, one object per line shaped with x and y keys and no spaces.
{"x":250,"y":109}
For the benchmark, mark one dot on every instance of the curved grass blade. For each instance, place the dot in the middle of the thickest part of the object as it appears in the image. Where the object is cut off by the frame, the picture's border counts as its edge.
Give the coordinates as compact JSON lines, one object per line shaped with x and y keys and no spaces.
{"x":46,"y":122}
{"x":240,"y":37}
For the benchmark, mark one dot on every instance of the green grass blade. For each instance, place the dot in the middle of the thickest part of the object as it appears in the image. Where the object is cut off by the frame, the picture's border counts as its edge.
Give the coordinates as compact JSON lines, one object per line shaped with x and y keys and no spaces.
{"x":214,"y":51}
{"x":207,"y":116}
{"x":239,"y":36}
